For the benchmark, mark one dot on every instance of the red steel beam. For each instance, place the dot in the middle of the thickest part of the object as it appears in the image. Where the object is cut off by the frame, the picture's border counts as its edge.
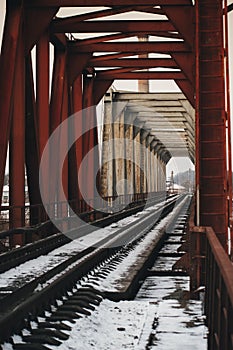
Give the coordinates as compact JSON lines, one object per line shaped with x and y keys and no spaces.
{"x":141,"y":75}
{"x":7,"y":70}
{"x":76,"y":64}
{"x":76,"y":154}
{"x":158,"y":47}
{"x":17,"y":147}
{"x":183,"y":20}
{"x":37,"y":21}
{"x":108,"y":3}
{"x":188,"y":90}
{"x":32,"y":147}
{"x":100,"y":87}
{"x":63,"y":144}
{"x":127,"y":26}
{"x":212,"y":119}
{"x":186,"y":62}
{"x":90,"y":139}
{"x":135,"y":63}
{"x":56,"y":116}
{"x":100,"y":39}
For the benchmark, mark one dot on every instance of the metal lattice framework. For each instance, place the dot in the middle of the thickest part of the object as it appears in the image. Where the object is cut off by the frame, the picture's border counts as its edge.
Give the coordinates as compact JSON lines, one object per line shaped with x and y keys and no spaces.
{"x":185,"y":45}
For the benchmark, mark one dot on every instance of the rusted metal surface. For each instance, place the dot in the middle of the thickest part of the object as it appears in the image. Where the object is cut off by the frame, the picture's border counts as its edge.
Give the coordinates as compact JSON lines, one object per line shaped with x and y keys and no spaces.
{"x":219,"y":294}
{"x":228,"y":114}
{"x":17,"y":142}
{"x":211,"y":270}
{"x":212,"y":133}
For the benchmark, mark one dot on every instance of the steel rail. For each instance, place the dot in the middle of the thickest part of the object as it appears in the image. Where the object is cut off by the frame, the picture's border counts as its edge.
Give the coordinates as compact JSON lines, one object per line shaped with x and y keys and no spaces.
{"x":24,"y":301}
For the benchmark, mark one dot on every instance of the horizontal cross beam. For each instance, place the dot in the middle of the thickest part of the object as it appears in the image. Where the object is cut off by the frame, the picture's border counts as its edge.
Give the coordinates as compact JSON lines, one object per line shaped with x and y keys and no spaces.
{"x":108,"y":3}
{"x":136,"y":47}
{"x":61,"y":26}
{"x":141,"y":75}
{"x":135,"y":63}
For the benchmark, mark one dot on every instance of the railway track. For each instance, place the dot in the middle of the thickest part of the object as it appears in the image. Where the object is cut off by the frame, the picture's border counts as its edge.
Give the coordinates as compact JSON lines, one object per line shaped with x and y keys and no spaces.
{"x":70,"y":290}
{"x":33,"y":250}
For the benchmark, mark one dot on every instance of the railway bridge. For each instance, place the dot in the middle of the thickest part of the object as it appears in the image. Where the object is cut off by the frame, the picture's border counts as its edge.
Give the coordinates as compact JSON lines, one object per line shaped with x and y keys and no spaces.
{"x":82,"y":147}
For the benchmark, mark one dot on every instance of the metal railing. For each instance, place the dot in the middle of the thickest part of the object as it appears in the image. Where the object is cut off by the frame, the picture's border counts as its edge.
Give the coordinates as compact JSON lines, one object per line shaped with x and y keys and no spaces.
{"x":210,"y":267}
{"x":33,"y":217}
{"x":219,"y":294}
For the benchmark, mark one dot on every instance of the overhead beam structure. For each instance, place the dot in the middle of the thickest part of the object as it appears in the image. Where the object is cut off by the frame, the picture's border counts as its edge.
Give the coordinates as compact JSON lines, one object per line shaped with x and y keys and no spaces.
{"x":93,"y":48}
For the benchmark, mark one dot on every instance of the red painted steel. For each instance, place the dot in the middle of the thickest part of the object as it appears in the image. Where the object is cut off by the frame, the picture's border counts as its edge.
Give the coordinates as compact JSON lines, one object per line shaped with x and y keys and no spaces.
{"x":108,"y":3}
{"x":183,"y":20}
{"x":7,"y":69}
{"x":158,"y":46}
{"x":56,"y":116}
{"x":100,"y":88}
{"x":140,"y":75}
{"x":228,"y":111}
{"x":17,"y":145}
{"x":90,"y":140}
{"x":73,"y":58}
{"x":219,"y":294}
{"x":111,"y":26}
{"x":212,"y":152}
{"x":136,"y":63}
{"x":188,"y":90}
{"x":31,"y":141}
{"x":76,"y":149}
{"x":36,"y":23}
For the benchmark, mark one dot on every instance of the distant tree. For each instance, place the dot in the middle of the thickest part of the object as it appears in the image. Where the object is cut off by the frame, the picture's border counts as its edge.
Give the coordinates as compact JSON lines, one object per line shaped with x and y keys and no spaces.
{"x":185,"y":179}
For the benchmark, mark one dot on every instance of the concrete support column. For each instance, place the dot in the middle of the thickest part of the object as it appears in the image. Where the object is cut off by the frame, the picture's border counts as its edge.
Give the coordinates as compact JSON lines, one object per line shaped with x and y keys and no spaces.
{"x":149,"y":162}
{"x":153,"y":172}
{"x":119,"y":152}
{"x":159,"y":173}
{"x":137,"y":160}
{"x":107,"y":174}
{"x":143,"y":177}
{"x":164,"y":175}
{"x":129,"y":159}
{"x":156,"y":169}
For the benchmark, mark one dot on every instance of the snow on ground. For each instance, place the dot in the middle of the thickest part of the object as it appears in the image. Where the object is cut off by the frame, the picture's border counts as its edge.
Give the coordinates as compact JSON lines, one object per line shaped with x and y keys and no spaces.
{"x":115,"y":280}
{"x":112,"y":326}
{"x":179,"y":320}
{"x":28,"y":271}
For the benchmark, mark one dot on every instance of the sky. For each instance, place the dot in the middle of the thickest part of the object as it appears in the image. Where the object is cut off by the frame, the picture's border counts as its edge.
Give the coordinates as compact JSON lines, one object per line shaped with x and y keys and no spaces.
{"x":176,"y":164}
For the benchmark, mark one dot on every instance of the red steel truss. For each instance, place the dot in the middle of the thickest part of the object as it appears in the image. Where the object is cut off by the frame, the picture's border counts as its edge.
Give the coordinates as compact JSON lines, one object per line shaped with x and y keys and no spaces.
{"x":190,"y":35}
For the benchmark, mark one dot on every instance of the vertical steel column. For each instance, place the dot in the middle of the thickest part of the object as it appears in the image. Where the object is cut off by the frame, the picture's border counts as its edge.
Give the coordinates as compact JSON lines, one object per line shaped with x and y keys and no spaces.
{"x":17,"y":146}
{"x":211,"y":140}
{"x":7,"y":71}
{"x":64,"y":142}
{"x":75,"y":154}
{"x":229,"y":138}
{"x":56,"y":117}
{"x":90,"y":140}
{"x":32,"y":147}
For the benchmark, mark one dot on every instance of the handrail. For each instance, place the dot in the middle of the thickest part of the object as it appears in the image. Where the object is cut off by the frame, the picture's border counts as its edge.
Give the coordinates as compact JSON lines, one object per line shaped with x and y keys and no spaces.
{"x":219,"y":294}
{"x":211,"y":268}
